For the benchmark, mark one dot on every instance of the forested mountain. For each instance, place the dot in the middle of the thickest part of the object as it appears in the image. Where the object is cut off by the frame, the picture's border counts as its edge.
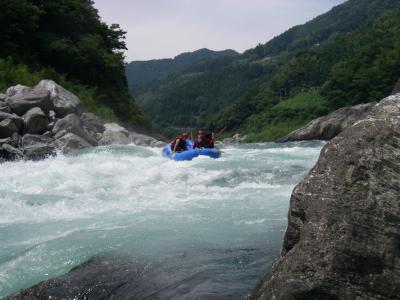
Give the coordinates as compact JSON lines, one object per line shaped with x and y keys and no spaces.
{"x":346,"y":56}
{"x":343,"y":18}
{"x":141,"y":74}
{"x":66,"y":41}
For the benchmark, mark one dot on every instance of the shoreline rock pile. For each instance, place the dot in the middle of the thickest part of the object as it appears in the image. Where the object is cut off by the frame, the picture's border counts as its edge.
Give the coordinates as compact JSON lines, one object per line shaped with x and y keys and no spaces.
{"x":39,"y":122}
{"x":327,"y":127}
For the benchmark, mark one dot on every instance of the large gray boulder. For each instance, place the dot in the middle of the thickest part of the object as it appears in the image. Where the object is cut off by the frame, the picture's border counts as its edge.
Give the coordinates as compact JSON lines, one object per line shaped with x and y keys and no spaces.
{"x":4,"y":107}
{"x":7,"y":128}
{"x":73,"y":124}
{"x":16,"y":119}
{"x":70,"y":141}
{"x":92,"y":125}
{"x":64,"y":102}
{"x":8,"y":152}
{"x":343,"y":234}
{"x":115,"y":134}
{"x":14,"y":140}
{"x":111,"y":277}
{"x":329,"y":126}
{"x":35,"y":146}
{"x":17,"y":89}
{"x":35,"y":121}
{"x":21,"y":102}
{"x":29,"y":140}
{"x":145,"y":140}
{"x":235,"y":139}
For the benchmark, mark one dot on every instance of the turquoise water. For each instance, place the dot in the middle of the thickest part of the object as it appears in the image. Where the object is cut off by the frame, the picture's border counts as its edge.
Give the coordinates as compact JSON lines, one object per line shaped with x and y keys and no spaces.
{"x":224,"y":216}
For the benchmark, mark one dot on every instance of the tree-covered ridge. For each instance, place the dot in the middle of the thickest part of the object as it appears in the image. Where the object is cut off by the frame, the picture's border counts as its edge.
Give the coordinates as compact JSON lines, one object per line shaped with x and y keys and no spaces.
{"x":69,"y":37}
{"x":142,"y":74}
{"x":356,"y":64}
{"x":351,"y":68}
{"x":343,"y":18}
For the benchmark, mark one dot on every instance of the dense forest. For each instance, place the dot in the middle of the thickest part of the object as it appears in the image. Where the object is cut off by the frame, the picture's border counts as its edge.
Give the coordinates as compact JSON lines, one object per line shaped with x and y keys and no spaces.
{"x":347,"y":56}
{"x":143,"y":74}
{"x":66,"y":41}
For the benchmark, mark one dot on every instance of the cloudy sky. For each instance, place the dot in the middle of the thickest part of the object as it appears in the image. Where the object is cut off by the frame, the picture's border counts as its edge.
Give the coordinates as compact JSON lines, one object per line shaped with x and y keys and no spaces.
{"x":165,"y":28}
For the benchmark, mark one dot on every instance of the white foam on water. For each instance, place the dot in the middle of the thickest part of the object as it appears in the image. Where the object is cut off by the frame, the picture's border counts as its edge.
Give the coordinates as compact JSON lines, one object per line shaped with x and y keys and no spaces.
{"x":56,"y":212}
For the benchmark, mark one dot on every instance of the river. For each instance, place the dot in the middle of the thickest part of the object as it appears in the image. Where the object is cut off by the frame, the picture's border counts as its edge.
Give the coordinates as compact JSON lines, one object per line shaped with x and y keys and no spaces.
{"x":224,"y":217}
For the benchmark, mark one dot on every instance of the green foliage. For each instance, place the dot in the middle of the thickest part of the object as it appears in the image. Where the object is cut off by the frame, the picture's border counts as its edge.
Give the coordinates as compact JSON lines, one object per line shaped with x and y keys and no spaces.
{"x":68,"y":37}
{"x":343,"y":18}
{"x":12,"y":74}
{"x":144,"y":74}
{"x":285,"y":116}
{"x":273,"y":131}
{"x":370,"y":73}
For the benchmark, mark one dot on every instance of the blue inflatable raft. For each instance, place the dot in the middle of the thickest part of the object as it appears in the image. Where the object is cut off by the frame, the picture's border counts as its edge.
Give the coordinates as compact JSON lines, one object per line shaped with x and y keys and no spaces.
{"x":191,"y":153}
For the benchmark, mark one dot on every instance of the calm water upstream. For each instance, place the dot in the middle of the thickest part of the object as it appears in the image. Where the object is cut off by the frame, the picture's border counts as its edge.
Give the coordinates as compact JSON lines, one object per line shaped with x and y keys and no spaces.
{"x":224,"y":217}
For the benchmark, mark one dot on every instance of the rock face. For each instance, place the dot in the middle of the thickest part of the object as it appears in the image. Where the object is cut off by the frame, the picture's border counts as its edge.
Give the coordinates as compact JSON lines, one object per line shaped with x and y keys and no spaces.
{"x":21,"y":102}
{"x":18,"y":121}
{"x":35,"y":121}
{"x":235,"y":139}
{"x":106,"y":277}
{"x":327,"y":127}
{"x":115,"y":134}
{"x":7,"y":128}
{"x":73,"y":124}
{"x":19,"y":88}
{"x":64,"y":102}
{"x":343,"y":234}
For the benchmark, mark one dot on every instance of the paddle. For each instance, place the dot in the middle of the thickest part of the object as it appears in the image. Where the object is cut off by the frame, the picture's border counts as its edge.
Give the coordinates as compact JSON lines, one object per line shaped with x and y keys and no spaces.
{"x":221,"y":131}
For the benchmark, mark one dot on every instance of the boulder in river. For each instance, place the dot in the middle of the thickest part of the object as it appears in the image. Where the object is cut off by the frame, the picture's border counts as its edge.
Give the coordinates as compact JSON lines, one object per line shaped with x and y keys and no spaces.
{"x":21,"y":102}
{"x":17,"y":89}
{"x":8,"y":152}
{"x":145,"y":140}
{"x":34,"y":139}
{"x":3,"y":97}
{"x":7,"y":128}
{"x":35,"y":121}
{"x":18,"y":121}
{"x":115,"y":134}
{"x":92,"y":124}
{"x":64,"y":102}
{"x":343,"y":234}
{"x":35,"y":146}
{"x":105,"y":277}
{"x":73,"y":124}
{"x":329,"y":126}
{"x":70,"y":141}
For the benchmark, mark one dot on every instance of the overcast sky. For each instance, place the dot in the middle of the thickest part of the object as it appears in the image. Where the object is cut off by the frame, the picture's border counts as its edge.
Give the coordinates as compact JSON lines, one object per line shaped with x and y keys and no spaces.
{"x":166,"y":28}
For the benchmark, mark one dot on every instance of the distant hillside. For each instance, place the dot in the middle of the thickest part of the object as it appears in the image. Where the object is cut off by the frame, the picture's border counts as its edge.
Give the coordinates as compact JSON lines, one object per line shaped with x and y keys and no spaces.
{"x":343,"y":57}
{"x":67,"y":41}
{"x":142,"y":73}
{"x":343,"y":18}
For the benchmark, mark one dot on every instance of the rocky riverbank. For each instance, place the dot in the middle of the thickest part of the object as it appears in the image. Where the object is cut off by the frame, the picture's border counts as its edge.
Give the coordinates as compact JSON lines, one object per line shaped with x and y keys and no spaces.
{"x":343,"y":234}
{"x":327,"y":127}
{"x":39,"y":122}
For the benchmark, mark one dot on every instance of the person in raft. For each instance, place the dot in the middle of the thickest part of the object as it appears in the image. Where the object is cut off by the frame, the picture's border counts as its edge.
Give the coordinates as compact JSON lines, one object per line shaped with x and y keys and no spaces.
{"x":204,"y":140}
{"x":180,"y":144}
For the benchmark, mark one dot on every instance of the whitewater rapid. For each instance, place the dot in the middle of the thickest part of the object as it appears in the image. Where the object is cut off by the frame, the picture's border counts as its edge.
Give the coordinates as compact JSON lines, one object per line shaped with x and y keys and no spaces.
{"x":226,"y":216}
